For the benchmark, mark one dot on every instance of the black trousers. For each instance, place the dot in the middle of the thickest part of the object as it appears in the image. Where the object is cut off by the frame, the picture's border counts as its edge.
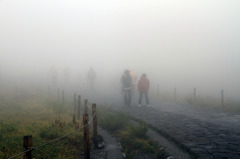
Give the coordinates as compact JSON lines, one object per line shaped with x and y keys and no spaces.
{"x":146,"y":97}
{"x":127,"y":97}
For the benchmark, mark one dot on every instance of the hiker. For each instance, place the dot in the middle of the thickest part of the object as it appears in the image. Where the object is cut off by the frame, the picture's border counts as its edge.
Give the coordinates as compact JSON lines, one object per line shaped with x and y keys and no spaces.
{"x":126,"y":81}
{"x":134,"y":84}
{"x":143,"y":88}
{"x":91,"y":77}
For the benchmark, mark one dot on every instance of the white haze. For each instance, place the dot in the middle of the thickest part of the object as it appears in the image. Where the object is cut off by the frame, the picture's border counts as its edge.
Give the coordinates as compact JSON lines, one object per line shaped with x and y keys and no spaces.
{"x":178,"y":43}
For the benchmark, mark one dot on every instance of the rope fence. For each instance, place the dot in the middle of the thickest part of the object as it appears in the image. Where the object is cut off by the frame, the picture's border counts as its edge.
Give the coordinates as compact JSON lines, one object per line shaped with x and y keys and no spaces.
{"x":85,"y":127}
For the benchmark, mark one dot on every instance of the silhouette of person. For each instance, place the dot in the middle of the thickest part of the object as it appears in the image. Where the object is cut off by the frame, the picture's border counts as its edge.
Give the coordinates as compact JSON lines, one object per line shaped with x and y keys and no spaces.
{"x":127,"y":87}
{"x":143,"y":88}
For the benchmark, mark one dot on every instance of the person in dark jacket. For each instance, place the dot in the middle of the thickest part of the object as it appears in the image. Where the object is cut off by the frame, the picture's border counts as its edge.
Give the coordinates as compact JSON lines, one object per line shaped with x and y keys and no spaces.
{"x":143,"y":88}
{"x":126,"y":81}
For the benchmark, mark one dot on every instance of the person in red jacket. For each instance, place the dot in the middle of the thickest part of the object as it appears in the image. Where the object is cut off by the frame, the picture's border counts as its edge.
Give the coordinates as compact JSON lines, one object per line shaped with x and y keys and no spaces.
{"x":143,"y":88}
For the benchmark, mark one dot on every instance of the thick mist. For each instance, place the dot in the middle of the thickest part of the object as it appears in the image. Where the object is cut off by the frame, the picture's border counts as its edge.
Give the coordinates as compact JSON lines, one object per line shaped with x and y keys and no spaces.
{"x":178,"y":44}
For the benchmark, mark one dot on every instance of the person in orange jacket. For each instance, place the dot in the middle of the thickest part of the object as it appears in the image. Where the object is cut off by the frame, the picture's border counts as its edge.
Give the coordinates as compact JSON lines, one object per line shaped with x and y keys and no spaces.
{"x":143,"y":88}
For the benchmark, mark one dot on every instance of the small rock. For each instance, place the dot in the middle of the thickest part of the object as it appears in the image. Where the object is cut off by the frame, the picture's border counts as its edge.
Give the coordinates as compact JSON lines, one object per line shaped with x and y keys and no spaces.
{"x":124,"y":155}
{"x":101,"y":145}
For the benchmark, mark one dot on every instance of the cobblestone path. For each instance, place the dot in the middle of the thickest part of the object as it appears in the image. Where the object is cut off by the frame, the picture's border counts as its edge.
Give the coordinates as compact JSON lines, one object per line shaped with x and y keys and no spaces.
{"x":194,"y":129}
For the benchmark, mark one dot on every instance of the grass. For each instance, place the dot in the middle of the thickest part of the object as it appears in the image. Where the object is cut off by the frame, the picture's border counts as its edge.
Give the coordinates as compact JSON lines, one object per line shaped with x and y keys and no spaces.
{"x":43,"y":120}
{"x":133,"y":137}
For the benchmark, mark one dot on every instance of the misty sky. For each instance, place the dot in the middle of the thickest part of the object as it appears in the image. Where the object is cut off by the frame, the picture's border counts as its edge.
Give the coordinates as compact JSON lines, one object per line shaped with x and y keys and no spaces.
{"x":176,"y":42}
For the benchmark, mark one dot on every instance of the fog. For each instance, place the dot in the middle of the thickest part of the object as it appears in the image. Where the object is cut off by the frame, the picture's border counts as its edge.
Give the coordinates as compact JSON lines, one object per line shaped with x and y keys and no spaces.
{"x":182,"y":44}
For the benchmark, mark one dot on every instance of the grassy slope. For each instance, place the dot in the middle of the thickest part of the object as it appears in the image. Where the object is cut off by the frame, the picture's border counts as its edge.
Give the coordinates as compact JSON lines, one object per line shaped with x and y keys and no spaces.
{"x":44,"y":121}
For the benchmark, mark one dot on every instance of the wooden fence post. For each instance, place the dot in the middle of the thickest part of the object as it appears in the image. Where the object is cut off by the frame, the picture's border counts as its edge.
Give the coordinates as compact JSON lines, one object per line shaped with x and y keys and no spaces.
{"x":58,"y":96}
{"x":175,"y":94}
{"x":194,"y":93}
{"x":75,"y":104}
{"x":85,"y":106}
{"x":28,"y":144}
{"x":222,"y":98}
{"x":63,"y":97}
{"x":48,"y":92}
{"x":86,"y":137}
{"x":79,"y":107}
{"x":95,"y":132}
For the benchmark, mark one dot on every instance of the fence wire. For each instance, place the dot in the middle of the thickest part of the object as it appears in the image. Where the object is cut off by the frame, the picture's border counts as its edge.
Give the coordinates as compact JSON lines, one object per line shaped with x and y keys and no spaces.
{"x":54,"y":140}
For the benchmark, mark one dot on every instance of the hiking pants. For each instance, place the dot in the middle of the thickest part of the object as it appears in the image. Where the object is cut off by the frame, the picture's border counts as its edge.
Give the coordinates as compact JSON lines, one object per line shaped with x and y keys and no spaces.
{"x":127,"y":97}
{"x":146,"y":97}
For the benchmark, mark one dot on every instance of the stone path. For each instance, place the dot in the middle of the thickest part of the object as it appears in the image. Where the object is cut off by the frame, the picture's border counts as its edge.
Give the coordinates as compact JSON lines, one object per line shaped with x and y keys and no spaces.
{"x":112,"y":150}
{"x":208,"y":138}
{"x":172,"y":149}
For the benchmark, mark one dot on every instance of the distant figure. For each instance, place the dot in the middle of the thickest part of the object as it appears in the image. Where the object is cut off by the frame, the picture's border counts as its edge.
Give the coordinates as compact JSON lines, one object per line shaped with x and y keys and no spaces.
{"x":127,"y":87}
{"x":54,"y":75}
{"x":91,"y":77}
{"x":134,"y":84}
{"x":66,"y":75}
{"x":143,"y":88}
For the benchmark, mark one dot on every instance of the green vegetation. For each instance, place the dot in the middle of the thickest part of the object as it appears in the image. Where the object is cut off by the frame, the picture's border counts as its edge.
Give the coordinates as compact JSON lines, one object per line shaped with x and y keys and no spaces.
{"x":43,"y":120}
{"x":133,"y":137}
{"x":48,"y":120}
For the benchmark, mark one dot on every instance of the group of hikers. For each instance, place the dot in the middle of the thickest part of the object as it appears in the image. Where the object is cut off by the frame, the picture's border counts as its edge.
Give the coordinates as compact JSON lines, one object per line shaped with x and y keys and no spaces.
{"x":129,"y":82}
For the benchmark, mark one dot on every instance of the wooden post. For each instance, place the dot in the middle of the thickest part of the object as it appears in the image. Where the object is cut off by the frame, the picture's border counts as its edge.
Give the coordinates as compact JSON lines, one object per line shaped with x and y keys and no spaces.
{"x":194,"y":93}
{"x":222,"y":98}
{"x":63,"y":97}
{"x":175,"y":94}
{"x":48,"y":92}
{"x":58,"y":96}
{"x":95,"y":132}
{"x":86,"y":137}
{"x":85,"y":106}
{"x":28,"y":144}
{"x":79,"y":106}
{"x":75,"y":104}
